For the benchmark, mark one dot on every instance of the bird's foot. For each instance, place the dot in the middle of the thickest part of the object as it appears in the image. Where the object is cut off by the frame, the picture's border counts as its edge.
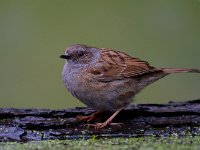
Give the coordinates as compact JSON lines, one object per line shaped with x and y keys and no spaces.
{"x":107,"y":122}
{"x":85,"y":118}
{"x":88,"y":118}
{"x":104,"y":124}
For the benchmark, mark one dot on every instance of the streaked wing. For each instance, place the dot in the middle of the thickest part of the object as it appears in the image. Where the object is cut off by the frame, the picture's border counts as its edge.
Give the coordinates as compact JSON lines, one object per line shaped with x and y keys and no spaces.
{"x":114,"y":65}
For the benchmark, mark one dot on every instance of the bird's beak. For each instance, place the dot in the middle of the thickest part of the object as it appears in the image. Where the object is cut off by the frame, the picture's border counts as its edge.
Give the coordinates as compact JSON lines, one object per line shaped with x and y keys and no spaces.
{"x":66,"y":56}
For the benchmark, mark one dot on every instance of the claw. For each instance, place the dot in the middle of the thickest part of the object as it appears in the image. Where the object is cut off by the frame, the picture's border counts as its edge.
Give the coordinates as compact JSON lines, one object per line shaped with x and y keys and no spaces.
{"x":102,"y":125}
{"x":97,"y":125}
{"x":107,"y":122}
{"x":84,"y":118}
{"x":88,"y":118}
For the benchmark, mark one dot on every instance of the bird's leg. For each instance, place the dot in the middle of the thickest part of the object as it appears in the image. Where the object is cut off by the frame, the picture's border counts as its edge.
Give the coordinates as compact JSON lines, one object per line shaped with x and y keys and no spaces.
{"x":107,"y":122}
{"x":88,"y":118}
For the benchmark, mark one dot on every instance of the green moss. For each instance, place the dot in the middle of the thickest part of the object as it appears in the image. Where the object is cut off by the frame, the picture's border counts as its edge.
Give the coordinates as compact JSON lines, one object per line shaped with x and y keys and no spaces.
{"x":150,"y":143}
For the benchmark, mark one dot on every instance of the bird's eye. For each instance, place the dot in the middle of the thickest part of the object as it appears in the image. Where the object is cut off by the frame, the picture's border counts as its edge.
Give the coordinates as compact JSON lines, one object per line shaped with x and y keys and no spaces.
{"x":80,"y":53}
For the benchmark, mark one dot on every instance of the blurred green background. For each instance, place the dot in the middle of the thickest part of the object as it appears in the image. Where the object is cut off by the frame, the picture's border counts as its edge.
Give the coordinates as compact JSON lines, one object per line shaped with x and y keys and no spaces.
{"x":33,"y":33}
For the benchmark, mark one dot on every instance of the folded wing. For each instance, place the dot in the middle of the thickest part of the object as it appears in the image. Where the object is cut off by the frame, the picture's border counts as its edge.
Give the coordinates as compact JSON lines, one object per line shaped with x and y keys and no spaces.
{"x":115,"y":65}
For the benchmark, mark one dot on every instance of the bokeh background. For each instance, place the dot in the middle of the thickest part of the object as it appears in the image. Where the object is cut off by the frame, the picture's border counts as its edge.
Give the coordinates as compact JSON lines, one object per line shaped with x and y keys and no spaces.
{"x":33,"y":33}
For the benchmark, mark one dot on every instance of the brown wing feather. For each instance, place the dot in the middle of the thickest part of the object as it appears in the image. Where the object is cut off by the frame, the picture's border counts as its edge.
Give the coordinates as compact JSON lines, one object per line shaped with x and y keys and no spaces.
{"x":114,"y":65}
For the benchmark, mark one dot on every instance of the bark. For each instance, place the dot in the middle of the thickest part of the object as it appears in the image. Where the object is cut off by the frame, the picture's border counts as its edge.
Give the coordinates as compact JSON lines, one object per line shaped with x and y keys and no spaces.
{"x":138,"y":120}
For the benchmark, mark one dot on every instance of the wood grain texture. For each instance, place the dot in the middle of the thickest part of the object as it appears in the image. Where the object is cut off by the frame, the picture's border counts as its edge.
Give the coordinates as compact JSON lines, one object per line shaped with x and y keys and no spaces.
{"x":138,"y":120}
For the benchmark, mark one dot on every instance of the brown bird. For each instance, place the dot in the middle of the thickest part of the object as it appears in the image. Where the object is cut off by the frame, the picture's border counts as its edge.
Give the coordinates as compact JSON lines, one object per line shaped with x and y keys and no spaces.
{"x":107,"y":80}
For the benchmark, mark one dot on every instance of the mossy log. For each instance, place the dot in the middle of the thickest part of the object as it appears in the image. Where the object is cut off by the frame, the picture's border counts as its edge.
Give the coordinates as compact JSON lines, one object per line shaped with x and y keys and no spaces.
{"x":138,"y":120}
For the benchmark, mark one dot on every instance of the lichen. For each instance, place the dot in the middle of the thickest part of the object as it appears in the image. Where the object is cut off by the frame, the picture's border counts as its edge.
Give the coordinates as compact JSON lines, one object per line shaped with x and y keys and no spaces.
{"x":143,"y":143}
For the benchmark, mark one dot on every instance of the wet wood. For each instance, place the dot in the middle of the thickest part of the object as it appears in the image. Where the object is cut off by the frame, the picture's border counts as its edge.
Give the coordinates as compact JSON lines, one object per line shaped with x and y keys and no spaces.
{"x":138,"y":120}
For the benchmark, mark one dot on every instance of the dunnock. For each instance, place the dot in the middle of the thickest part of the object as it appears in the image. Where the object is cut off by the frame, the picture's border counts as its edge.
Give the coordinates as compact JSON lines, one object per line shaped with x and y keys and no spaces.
{"x":107,"y":80}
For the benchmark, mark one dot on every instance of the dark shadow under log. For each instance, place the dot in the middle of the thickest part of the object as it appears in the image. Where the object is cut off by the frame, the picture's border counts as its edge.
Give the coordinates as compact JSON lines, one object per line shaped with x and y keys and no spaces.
{"x":138,"y":120}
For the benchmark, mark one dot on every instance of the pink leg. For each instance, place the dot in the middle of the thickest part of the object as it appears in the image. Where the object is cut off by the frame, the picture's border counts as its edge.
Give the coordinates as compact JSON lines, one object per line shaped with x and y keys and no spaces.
{"x":88,"y":118}
{"x":107,"y":122}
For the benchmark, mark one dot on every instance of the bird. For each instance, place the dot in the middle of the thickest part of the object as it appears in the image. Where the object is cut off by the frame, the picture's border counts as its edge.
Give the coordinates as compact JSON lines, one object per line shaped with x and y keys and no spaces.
{"x":107,"y":80}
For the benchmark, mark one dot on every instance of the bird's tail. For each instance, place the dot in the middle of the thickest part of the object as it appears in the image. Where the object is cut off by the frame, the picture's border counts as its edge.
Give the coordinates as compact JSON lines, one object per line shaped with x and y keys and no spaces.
{"x":180,"y":70}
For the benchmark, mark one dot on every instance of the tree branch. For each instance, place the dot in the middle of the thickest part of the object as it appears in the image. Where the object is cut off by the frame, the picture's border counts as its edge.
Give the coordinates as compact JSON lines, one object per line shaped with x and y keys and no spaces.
{"x":138,"y":120}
